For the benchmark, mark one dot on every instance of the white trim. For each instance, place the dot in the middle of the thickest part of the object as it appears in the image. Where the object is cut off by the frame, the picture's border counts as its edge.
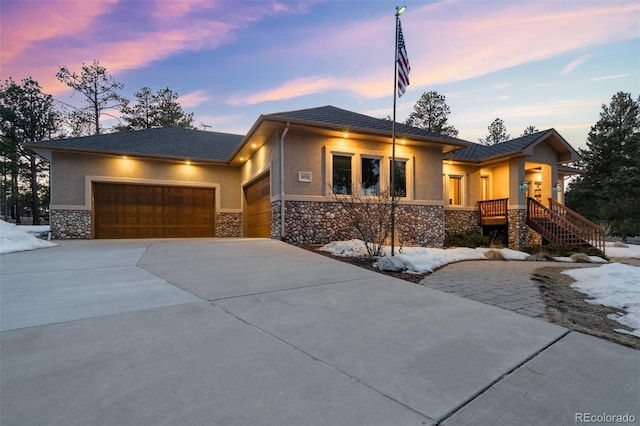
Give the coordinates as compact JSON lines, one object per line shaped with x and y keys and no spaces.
{"x":68,"y":207}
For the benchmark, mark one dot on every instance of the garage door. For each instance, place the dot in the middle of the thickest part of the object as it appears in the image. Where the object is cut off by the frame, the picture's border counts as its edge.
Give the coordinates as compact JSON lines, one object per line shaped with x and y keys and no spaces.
{"x":149,"y":211}
{"x":258,"y":216}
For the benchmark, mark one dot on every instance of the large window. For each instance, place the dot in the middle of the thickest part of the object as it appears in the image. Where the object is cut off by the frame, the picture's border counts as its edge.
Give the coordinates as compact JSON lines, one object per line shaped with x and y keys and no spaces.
{"x":370,"y":176}
{"x":399,"y":178}
{"x":455,"y":190}
{"x":342,"y":174}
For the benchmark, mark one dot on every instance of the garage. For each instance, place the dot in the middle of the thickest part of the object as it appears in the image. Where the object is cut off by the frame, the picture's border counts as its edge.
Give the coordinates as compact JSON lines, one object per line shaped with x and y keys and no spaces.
{"x":152,"y":211}
{"x":258,"y":211}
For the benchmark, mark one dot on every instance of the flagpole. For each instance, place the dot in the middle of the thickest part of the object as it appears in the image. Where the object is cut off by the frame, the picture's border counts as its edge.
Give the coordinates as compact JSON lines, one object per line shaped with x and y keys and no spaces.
{"x":399,"y":11}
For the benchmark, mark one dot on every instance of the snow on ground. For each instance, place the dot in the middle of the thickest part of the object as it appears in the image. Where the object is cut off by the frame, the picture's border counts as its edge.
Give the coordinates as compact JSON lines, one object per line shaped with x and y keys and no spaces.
{"x":631,"y":251}
{"x":615,"y":285}
{"x":421,"y":259}
{"x":14,"y":238}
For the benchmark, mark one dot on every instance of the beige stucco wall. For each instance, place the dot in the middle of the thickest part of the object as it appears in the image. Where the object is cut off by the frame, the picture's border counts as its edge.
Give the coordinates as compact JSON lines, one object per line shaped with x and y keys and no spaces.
{"x":307,"y":152}
{"x":500,"y":181}
{"x":264,"y":159}
{"x":71,"y":172}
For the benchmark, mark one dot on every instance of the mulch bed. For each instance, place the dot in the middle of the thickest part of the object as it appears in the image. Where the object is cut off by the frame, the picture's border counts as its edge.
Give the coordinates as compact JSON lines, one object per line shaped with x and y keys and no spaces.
{"x":367,"y":263}
{"x":569,"y":308}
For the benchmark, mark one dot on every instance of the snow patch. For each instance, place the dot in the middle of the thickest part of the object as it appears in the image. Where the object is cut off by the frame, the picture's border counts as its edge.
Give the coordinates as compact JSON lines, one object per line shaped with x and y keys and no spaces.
{"x":13,"y":239}
{"x":615,"y":285}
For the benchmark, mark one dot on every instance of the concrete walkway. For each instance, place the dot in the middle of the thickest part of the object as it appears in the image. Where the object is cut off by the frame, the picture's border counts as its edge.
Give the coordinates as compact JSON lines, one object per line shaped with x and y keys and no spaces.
{"x":259,"y":332}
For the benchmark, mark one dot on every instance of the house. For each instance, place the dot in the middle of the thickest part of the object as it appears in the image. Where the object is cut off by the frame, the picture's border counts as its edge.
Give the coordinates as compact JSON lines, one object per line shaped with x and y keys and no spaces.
{"x":281,"y":180}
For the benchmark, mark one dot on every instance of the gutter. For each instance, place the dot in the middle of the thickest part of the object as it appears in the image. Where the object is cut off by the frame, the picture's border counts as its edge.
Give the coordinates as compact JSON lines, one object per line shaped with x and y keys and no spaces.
{"x":283,"y":232}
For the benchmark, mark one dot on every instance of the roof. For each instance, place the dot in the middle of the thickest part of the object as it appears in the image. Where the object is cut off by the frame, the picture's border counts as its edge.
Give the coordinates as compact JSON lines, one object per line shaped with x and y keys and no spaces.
{"x":350,"y":121}
{"x":479,"y":153}
{"x":164,"y":142}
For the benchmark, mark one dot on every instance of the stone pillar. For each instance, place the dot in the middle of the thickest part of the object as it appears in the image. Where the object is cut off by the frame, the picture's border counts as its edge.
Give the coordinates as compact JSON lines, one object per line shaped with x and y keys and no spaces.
{"x":229,"y":224}
{"x":517,"y":228}
{"x":70,"y":224}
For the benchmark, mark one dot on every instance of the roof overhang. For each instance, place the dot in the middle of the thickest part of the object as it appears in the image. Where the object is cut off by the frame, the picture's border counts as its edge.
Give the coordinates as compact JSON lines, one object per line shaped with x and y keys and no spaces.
{"x":46,"y":152}
{"x":266,"y":125}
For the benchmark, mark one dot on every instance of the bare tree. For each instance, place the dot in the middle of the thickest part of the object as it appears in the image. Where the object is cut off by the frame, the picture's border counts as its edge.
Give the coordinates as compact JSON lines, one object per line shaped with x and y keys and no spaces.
{"x":100,"y":91}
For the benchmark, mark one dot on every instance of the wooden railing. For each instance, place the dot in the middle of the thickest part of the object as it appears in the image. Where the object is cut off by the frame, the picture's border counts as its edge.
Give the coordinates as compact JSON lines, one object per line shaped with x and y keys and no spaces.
{"x":493,"y":212}
{"x":591,"y":232}
{"x":555,"y":226}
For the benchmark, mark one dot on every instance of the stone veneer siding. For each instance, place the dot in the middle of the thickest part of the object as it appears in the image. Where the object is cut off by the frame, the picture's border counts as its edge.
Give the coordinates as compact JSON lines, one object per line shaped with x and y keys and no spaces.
{"x":458,"y":221}
{"x":70,"y":224}
{"x":518,"y":228}
{"x":230,"y":224}
{"x":311,"y":222}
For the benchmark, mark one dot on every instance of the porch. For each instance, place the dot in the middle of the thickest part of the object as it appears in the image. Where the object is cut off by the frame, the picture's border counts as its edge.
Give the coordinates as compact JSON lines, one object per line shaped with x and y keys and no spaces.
{"x":555,"y":224}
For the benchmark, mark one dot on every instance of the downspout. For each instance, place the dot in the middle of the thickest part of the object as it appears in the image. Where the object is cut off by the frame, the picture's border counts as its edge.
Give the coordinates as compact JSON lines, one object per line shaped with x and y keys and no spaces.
{"x":282,"y":214}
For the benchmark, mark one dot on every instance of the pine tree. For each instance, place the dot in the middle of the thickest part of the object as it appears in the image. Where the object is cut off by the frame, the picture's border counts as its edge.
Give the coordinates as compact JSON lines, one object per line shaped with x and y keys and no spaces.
{"x":609,"y":189}
{"x":431,"y":113}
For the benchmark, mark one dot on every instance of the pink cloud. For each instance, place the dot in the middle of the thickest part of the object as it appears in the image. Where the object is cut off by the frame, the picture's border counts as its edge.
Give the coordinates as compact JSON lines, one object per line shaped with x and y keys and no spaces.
{"x":288,"y":90}
{"x":26,"y":23}
{"x":451,"y":41}
{"x":194,"y":99}
{"x":181,"y":26}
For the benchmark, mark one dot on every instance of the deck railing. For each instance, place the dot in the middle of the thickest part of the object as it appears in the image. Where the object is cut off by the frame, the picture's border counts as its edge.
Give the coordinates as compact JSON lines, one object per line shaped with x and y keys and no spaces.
{"x":561,"y":225}
{"x":493,"y":212}
{"x":591,"y":232}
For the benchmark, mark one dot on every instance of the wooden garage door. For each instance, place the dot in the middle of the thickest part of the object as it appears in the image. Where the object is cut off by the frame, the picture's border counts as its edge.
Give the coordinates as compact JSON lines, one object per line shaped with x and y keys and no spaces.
{"x":258,"y":216}
{"x":148,"y":211}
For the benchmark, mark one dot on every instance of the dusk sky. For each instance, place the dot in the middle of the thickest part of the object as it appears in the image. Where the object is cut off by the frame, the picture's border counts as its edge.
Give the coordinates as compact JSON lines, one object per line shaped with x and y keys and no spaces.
{"x":542,"y":63}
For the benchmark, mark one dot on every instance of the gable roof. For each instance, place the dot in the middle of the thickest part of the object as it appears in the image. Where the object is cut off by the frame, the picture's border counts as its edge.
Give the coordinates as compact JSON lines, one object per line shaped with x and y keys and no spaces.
{"x":332,"y":120}
{"x":521,"y":145}
{"x":163,"y":142}
{"x":350,"y":120}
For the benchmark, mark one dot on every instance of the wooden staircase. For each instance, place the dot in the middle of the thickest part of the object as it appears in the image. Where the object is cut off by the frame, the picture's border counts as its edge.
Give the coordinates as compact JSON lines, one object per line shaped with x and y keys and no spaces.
{"x":561,"y":225}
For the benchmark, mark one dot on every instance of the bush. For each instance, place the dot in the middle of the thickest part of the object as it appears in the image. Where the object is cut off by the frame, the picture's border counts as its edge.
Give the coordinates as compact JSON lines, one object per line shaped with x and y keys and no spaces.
{"x":466,"y":239}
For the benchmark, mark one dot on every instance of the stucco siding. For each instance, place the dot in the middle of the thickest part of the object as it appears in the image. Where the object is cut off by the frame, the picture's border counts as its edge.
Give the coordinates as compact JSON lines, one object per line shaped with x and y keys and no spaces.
{"x":69,"y":172}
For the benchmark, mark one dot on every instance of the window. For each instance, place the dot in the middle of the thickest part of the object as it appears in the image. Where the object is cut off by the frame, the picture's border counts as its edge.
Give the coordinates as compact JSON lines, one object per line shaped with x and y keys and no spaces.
{"x":400,"y":177}
{"x":342,"y":174}
{"x":455,"y":190}
{"x":370,"y":176}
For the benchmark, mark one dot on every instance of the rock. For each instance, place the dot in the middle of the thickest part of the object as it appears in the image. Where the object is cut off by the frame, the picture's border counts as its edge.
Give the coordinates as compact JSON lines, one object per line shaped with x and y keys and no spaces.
{"x":580,"y":258}
{"x":536,"y":258}
{"x":620,"y":244}
{"x":493,"y":255}
{"x":390,"y":263}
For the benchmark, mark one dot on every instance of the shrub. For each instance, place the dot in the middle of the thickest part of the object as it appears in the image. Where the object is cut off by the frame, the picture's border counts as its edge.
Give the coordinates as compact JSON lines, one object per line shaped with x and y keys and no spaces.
{"x":466,"y":239}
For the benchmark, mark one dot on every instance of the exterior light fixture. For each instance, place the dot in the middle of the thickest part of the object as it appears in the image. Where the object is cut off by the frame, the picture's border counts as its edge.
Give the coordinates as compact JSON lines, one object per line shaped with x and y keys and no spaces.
{"x":254,"y":146}
{"x":187,"y":162}
{"x":400,"y":10}
{"x":345,"y":134}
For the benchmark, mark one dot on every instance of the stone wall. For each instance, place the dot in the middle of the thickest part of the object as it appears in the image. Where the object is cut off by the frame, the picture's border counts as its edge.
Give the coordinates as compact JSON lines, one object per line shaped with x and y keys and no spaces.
{"x":458,"y":221}
{"x":323,"y":222}
{"x":70,"y":224}
{"x":230,"y":224}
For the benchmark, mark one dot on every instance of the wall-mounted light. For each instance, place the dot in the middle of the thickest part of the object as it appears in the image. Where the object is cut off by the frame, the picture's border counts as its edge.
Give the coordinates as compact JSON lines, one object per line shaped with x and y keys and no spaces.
{"x":523,"y":186}
{"x":345,"y":134}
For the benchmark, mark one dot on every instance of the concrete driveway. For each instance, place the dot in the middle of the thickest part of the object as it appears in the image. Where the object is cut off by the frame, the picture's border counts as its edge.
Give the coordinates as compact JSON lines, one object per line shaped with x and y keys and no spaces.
{"x":232,"y":331}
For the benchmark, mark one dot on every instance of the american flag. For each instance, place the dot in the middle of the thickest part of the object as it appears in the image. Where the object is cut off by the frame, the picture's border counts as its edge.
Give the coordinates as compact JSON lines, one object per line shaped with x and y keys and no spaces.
{"x":403,"y":63}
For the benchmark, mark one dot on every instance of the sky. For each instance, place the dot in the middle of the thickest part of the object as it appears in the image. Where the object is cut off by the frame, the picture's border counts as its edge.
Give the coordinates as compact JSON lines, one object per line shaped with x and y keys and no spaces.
{"x":528,"y":62}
